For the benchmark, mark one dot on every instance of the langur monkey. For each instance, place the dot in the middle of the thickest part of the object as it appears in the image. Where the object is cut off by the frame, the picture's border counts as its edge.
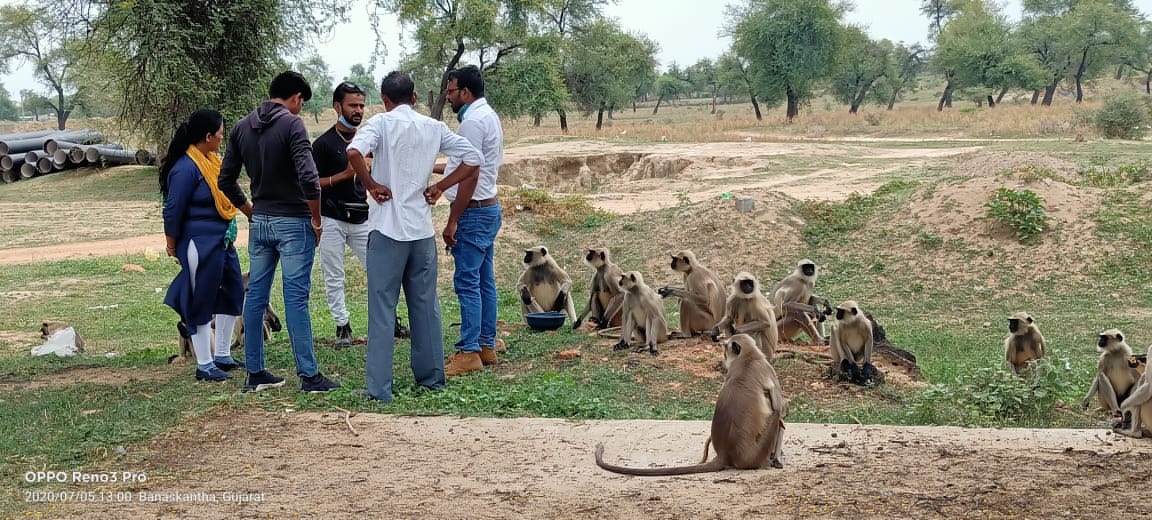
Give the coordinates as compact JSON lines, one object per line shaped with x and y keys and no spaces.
{"x":795,"y":303}
{"x":605,"y":295}
{"x":701,"y":298}
{"x":543,"y":285}
{"x":50,"y":327}
{"x":643,"y":315}
{"x":1024,"y":342}
{"x":184,"y":340}
{"x":1137,"y":408}
{"x":851,"y":344}
{"x":748,"y":422}
{"x":1115,"y":377}
{"x":747,"y":311}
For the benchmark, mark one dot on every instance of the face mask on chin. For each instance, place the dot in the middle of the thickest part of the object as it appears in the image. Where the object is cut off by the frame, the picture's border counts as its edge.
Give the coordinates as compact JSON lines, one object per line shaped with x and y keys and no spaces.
{"x":348,"y":124}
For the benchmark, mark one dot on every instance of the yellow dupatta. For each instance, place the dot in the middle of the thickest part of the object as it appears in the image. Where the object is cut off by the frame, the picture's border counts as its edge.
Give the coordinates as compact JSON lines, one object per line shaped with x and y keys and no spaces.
{"x":209,"y":166}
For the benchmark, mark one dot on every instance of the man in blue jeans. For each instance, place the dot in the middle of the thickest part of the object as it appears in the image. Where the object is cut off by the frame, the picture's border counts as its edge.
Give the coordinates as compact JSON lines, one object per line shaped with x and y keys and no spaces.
{"x":272,"y":145}
{"x":475,"y":277}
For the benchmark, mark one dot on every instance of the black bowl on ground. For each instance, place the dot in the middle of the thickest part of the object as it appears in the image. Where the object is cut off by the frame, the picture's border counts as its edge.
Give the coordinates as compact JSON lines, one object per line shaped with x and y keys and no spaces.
{"x":545,"y":320}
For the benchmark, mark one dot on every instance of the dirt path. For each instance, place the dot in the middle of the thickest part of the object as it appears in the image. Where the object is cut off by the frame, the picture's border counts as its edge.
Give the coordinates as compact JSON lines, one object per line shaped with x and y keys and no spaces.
{"x":93,"y":249}
{"x":312,"y":466}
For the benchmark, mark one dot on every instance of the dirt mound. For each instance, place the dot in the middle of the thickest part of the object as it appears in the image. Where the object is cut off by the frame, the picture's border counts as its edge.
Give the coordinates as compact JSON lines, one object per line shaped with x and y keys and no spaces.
{"x":718,"y":233}
{"x":569,"y":174}
{"x":979,"y":164}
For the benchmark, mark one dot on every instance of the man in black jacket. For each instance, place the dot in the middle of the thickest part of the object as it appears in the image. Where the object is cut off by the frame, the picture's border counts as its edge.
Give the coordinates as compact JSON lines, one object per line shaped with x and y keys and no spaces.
{"x":272,"y":145}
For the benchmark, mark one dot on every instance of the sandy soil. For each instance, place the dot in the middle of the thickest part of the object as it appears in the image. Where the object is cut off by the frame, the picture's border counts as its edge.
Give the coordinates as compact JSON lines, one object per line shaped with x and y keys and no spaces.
{"x":314,"y":466}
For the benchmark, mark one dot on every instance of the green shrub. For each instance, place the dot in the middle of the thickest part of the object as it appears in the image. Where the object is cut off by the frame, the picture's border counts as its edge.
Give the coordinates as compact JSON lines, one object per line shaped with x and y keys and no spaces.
{"x":1021,"y":210}
{"x":1123,"y":116}
{"x":994,"y":396}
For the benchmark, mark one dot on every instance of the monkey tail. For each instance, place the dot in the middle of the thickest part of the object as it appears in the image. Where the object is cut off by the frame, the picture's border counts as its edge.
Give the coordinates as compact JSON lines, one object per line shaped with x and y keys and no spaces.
{"x":715,"y":465}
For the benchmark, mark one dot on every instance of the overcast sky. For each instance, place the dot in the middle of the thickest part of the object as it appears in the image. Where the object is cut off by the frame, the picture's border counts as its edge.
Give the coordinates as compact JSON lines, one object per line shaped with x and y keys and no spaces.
{"x":686,"y":30}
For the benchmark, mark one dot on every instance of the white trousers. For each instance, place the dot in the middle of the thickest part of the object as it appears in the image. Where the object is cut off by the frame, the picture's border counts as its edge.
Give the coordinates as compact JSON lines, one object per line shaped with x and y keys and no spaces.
{"x":336,"y":235}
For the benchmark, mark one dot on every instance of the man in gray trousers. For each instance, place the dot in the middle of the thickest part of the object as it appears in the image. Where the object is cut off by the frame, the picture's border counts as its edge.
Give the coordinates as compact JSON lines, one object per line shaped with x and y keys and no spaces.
{"x":402,"y":241}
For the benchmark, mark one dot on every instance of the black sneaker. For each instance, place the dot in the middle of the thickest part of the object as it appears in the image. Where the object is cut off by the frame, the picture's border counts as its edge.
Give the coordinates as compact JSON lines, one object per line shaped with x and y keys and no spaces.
{"x":261,"y":380}
{"x":317,"y":383}
{"x":343,"y":336}
{"x":212,"y":374}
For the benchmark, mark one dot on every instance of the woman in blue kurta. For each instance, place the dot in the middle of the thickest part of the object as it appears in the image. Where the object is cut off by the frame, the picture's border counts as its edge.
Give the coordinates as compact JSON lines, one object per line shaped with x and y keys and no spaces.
{"x":200,"y":229}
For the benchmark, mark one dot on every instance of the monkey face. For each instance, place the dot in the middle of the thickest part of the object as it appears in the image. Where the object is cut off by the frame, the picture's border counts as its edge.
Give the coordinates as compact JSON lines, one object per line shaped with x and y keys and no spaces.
{"x":535,"y":255}
{"x":1108,"y":338}
{"x":590,"y":256}
{"x":630,"y":280}
{"x":808,"y":268}
{"x":682,"y":261}
{"x":847,"y":310}
{"x":747,"y":286}
{"x":1013,"y":325}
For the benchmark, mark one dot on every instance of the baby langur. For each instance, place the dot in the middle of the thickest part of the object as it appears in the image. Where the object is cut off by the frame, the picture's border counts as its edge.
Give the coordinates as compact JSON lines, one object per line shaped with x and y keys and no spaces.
{"x":643,"y":315}
{"x":1024,"y":342}
{"x":851,"y":345}
{"x":701,"y":298}
{"x":748,"y":422}
{"x":605,"y":296}
{"x":747,"y":311}
{"x":796,"y":305}
{"x":1138,"y":407}
{"x":1115,"y":377}
{"x":543,"y":285}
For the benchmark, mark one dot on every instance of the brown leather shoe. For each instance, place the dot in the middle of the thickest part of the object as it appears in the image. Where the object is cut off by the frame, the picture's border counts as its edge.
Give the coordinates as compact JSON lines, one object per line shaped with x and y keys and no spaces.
{"x":487,"y":355}
{"x":463,"y":363}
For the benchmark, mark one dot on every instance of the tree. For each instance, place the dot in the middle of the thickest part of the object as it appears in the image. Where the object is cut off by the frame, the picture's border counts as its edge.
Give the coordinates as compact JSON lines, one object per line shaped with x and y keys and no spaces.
{"x":529,"y":83}
{"x":732,"y":78}
{"x":1139,"y":58}
{"x":789,"y":45}
{"x":673,"y":82}
{"x":30,"y":101}
{"x":1101,"y":32}
{"x":361,"y":76}
{"x":939,"y":12}
{"x":974,"y":46}
{"x":320,"y":79}
{"x":167,"y":58}
{"x":702,"y":76}
{"x":445,"y":29}
{"x":607,"y":66}
{"x":1042,"y":34}
{"x":905,"y":67}
{"x":861,"y":64}
{"x":8,"y":109}
{"x":34,"y":35}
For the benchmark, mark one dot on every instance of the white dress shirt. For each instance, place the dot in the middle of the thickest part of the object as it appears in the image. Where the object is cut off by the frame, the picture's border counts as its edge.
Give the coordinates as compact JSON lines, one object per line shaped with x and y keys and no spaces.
{"x":404,"y":145}
{"x":481,"y":126}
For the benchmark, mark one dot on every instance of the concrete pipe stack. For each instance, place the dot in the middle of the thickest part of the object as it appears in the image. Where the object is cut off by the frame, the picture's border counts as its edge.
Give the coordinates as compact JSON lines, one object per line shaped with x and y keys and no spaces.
{"x":30,"y":154}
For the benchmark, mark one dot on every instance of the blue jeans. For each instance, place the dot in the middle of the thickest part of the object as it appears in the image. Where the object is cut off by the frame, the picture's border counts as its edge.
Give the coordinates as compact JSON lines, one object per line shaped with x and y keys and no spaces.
{"x":290,"y":242}
{"x":475,"y":277}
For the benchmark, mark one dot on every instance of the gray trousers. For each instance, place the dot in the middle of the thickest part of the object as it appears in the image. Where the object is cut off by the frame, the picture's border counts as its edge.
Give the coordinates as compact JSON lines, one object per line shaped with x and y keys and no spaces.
{"x":392,"y":263}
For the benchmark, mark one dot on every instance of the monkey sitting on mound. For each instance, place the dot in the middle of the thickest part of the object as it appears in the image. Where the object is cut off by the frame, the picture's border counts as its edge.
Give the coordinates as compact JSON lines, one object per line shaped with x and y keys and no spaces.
{"x":851,"y":344}
{"x":544,"y":286}
{"x":701,"y":298}
{"x":643,"y":315}
{"x":605,"y":296}
{"x":748,"y":422}
{"x":1115,"y":376}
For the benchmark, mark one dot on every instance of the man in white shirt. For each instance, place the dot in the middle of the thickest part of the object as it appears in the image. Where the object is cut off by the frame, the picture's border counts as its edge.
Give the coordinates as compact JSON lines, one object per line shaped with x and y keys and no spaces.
{"x":480,"y":221}
{"x":402,"y":243}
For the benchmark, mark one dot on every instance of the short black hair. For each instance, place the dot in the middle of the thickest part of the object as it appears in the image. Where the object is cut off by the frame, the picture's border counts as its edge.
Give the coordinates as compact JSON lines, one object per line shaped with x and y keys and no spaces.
{"x":343,"y":89}
{"x":289,"y":83}
{"x":397,"y":87}
{"x":470,"y":78}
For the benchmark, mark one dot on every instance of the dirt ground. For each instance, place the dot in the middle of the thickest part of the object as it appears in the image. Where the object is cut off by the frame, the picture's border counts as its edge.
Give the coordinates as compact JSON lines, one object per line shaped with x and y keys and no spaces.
{"x":377,"y":466}
{"x":314,"y":466}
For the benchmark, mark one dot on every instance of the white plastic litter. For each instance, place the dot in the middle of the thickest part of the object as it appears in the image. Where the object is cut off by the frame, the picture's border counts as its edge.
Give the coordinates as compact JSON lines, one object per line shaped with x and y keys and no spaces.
{"x":62,"y":343}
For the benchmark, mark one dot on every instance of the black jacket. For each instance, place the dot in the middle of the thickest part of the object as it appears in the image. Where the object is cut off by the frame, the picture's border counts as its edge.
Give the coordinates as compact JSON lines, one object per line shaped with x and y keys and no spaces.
{"x":272,"y":145}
